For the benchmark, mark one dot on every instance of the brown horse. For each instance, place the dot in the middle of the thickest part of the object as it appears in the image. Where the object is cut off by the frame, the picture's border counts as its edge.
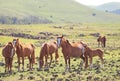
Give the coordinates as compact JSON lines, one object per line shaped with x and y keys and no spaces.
{"x":8,"y":52}
{"x":46,"y":50}
{"x":24,"y":50}
{"x":71,"y":50}
{"x":94,"y":52}
{"x":102,"y":40}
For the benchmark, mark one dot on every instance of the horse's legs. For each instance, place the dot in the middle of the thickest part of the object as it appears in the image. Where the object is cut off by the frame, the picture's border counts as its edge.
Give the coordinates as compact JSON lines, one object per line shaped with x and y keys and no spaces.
{"x":98,"y":44}
{"x":50,"y":59}
{"x":29,"y":62}
{"x":102,"y":44}
{"x":10,"y":65}
{"x":56,"y":56}
{"x":91,"y":63}
{"x":86,"y":61}
{"x":83,"y":58}
{"x":46,"y":64}
{"x":66,"y":66}
{"x":5,"y":64}
{"x":22,"y":63}
{"x":102,"y":61}
{"x":69,"y":63}
{"x":18,"y":63}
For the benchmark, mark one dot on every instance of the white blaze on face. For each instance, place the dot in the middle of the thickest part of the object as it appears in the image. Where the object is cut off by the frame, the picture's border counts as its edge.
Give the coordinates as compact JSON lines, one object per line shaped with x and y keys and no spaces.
{"x":58,"y":41}
{"x":14,"y":42}
{"x":43,"y":44}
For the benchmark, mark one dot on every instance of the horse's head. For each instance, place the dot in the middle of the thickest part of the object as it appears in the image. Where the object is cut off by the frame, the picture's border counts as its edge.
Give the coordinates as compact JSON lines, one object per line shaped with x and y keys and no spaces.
{"x":99,"y":38}
{"x":15,"y":42}
{"x":59,"y":40}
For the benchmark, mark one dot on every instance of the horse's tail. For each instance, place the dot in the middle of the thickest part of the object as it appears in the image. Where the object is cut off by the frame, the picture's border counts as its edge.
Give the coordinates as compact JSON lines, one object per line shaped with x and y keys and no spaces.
{"x":33,"y":54}
{"x":56,"y":54}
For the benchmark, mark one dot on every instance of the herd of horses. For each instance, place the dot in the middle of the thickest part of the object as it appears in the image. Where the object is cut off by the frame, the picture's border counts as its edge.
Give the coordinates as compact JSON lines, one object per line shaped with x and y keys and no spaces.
{"x":75,"y":50}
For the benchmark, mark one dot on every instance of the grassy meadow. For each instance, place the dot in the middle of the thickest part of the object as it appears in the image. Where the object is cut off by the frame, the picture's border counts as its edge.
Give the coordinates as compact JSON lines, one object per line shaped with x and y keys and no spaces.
{"x":73,"y":32}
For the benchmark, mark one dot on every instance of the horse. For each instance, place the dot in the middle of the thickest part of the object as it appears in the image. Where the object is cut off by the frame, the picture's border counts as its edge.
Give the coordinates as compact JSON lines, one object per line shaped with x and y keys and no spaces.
{"x":69,"y":50}
{"x":24,"y":50}
{"x":46,"y":50}
{"x":102,"y":40}
{"x":8,"y":53}
{"x":92,"y":53}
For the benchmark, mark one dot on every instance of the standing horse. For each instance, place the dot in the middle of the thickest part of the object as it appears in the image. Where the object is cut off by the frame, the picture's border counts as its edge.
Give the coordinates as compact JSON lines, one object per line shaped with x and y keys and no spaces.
{"x":8,"y":52}
{"x":102,"y":40}
{"x":46,"y":50}
{"x":71,"y":50}
{"x":92,"y":53}
{"x":24,"y":50}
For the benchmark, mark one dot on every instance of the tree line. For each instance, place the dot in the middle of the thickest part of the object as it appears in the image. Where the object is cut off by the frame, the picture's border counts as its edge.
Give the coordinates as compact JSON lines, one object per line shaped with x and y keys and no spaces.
{"x":25,"y":20}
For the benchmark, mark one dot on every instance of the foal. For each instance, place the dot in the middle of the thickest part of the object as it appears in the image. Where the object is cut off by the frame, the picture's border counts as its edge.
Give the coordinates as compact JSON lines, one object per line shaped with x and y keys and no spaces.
{"x":92,"y":53}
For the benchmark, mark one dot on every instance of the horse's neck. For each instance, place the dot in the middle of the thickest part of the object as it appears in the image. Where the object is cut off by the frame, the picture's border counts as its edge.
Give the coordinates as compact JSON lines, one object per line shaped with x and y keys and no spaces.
{"x":19,"y":47}
{"x":41,"y":56}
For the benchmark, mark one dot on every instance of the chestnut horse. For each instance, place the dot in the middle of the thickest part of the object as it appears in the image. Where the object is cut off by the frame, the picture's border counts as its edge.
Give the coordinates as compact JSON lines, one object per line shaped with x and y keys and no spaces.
{"x":46,"y":50}
{"x":71,"y":50}
{"x":101,"y":40}
{"x":24,"y":50}
{"x":8,"y":52}
{"x":94,"y":52}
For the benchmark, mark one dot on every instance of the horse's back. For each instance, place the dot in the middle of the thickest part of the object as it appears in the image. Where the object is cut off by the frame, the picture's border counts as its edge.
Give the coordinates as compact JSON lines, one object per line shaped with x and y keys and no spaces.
{"x":44,"y":49}
{"x":6,"y":51}
{"x":52,"y":47}
{"x":76,"y":49}
{"x":28,"y":49}
{"x":100,"y":51}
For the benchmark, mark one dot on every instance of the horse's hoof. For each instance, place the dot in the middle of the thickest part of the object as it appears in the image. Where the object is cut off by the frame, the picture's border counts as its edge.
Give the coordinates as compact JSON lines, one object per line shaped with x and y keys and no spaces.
{"x":46,"y":69}
{"x":39,"y":69}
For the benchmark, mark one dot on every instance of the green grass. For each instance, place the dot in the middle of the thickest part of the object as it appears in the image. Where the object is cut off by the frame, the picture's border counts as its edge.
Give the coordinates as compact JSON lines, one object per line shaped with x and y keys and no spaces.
{"x":111,"y":53}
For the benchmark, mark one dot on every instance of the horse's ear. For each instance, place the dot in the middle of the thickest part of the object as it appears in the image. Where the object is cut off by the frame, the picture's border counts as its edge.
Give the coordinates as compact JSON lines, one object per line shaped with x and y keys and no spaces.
{"x":84,"y":44}
{"x":17,"y":39}
{"x":54,"y":42}
{"x":62,"y":36}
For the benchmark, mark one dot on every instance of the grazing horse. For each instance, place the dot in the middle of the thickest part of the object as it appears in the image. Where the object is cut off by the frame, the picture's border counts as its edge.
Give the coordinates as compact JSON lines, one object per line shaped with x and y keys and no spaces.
{"x":46,"y":50}
{"x":71,"y":50}
{"x":24,"y":50}
{"x":102,"y":40}
{"x":8,"y":52}
{"x":92,"y":53}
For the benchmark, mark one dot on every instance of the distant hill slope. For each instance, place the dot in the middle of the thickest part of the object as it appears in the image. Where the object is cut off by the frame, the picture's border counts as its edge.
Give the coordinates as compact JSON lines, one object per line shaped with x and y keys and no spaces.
{"x":116,"y":11}
{"x":50,"y":11}
{"x":109,"y":6}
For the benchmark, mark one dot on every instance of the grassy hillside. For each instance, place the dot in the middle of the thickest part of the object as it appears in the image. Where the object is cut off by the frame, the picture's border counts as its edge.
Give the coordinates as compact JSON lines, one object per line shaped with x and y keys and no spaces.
{"x":109,"y":6}
{"x":47,"y":11}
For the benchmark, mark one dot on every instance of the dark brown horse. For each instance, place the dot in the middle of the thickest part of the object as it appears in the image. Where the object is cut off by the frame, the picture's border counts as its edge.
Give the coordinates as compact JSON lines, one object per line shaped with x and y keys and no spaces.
{"x":94,"y":52}
{"x":46,"y":50}
{"x":71,"y":50}
{"x":24,"y":50}
{"x":101,"y":40}
{"x":8,"y":52}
